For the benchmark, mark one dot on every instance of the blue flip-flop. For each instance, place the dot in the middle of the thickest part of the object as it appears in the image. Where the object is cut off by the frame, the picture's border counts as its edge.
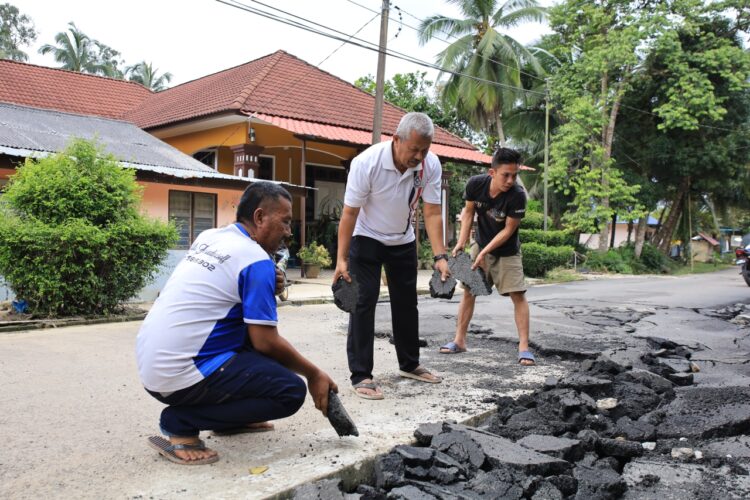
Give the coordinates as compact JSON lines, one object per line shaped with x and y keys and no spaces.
{"x":526,"y":355}
{"x":451,"y":348}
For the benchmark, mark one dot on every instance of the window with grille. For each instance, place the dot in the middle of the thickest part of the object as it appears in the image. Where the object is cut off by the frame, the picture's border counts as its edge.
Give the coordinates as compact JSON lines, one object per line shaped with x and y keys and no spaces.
{"x":192,"y":213}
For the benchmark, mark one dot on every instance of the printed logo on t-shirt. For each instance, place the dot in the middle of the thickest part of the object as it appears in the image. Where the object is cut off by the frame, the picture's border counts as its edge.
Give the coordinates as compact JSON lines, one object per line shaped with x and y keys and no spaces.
{"x":207,"y":254}
{"x":496,"y":214}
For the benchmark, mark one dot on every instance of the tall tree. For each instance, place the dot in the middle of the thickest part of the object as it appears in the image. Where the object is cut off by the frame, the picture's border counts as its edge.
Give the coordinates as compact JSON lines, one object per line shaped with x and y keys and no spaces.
{"x":148,"y":76}
{"x":689,"y":133}
{"x":76,"y":51}
{"x":485,"y":62}
{"x":603,"y":45}
{"x":16,"y":30}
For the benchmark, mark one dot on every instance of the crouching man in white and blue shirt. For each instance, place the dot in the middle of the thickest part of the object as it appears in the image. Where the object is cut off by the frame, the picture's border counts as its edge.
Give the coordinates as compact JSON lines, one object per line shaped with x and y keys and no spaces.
{"x":209,"y":347}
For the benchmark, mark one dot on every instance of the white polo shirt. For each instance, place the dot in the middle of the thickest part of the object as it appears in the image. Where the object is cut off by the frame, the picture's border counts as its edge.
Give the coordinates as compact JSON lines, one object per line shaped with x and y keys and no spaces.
{"x":387,"y":198}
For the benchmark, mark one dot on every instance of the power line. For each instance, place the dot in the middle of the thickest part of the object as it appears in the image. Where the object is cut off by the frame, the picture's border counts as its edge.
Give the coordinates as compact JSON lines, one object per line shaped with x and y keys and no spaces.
{"x":364,"y":44}
{"x":487,"y":58}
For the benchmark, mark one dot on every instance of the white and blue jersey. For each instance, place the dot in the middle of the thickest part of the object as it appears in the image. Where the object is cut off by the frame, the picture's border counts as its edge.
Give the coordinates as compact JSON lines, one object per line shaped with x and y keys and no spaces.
{"x":225,"y":282}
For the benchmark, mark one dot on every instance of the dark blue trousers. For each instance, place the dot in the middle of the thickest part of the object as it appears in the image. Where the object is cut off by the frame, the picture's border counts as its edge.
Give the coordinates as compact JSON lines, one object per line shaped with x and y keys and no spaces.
{"x":366,"y":258}
{"x":248,"y":388}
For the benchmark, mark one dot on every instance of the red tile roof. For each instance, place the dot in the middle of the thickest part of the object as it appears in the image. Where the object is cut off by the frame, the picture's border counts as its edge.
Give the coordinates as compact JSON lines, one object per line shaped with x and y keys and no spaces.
{"x":278,"y":85}
{"x":364,"y":138}
{"x":68,"y":91}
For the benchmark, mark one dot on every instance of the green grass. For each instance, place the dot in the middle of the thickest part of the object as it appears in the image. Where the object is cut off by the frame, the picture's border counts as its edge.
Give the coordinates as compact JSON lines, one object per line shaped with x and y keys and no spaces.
{"x":700,"y":267}
{"x":561,"y":275}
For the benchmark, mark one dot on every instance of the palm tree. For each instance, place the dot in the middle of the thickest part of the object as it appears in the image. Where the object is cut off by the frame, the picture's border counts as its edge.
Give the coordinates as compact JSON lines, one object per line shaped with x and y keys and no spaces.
{"x":148,"y":76}
{"x":74,"y":50}
{"x":488,"y":60}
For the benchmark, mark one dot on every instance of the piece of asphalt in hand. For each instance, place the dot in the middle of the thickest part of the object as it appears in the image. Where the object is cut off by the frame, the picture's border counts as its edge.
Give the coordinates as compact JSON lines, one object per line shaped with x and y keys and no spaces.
{"x":474,"y":279}
{"x":346,"y":294}
{"x":440,"y":289}
{"x":339,"y":418}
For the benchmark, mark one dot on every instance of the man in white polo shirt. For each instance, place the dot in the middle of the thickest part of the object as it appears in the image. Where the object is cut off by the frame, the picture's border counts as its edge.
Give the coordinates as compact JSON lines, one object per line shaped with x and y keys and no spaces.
{"x":383,"y":188}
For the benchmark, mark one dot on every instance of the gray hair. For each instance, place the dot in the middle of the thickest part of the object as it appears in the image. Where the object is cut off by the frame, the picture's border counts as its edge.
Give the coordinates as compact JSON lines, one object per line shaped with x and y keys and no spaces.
{"x":415,"y":122}
{"x":257,"y":193}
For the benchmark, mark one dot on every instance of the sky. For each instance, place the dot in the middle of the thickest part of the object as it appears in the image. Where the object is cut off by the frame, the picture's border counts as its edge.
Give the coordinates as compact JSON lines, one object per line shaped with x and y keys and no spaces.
{"x":194,"y":38}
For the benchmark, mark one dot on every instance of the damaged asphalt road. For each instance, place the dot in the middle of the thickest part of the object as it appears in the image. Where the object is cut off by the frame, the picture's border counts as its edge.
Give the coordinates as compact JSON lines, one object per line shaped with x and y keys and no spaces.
{"x":654,"y":403}
{"x":75,"y":418}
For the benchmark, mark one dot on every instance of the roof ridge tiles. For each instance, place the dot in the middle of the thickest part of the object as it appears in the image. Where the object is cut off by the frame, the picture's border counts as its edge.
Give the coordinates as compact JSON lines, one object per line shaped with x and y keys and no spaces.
{"x":247,"y":91}
{"x":77,"y":73}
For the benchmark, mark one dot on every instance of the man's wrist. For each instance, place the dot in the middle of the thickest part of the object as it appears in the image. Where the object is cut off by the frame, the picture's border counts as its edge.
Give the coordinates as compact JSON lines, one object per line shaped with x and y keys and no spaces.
{"x":440,"y":256}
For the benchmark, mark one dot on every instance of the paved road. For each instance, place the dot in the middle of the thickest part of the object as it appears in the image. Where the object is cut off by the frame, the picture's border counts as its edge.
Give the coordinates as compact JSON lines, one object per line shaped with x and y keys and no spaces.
{"x":74,"y":418}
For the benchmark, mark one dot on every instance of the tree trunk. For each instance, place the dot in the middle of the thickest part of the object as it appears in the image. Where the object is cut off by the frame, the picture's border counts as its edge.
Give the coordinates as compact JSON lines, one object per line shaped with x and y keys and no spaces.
{"x":630,"y":230}
{"x":500,"y":131}
{"x":665,"y":237}
{"x":654,"y":239}
{"x":608,"y":134}
{"x":614,"y":228}
{"x":640,"y":235}
{"x":604,"y":230}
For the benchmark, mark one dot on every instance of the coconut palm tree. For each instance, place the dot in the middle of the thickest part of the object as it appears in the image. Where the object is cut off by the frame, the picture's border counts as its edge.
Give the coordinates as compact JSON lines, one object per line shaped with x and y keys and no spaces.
{"x":73,"y":49}
{"x":148,"y":76}
{"x":488,"y":60}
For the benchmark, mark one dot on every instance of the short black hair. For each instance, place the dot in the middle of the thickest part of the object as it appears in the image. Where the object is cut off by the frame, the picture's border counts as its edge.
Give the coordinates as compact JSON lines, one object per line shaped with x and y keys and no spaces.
{"x":505,"y":155}
{"x":257,"y":193}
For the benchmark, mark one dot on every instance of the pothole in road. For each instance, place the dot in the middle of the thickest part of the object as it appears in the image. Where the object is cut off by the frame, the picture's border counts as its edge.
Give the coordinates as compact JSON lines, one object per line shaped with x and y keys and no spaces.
{"x":602,"y":431}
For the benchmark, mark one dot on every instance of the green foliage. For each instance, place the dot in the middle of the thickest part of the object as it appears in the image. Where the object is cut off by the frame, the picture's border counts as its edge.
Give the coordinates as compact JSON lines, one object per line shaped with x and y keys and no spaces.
{"x":623,"y":260}
{"x":534,"y":206}
{"x":315,"y":254}
{"x":610,"y":261}
{"x":561,"y":275}
{"x":539,"y":258}
{"x":533,"y":220}
{"x":16,"y":30}
{"x":550,"y":238}
{"x":78,"y":184}
{"x":424,"y":255}
{"x":148,"y":76}
{"x":76,"y":51}
{"x":413,"y":92}
{"x":484,"y":60}
{"x":71,"y":240}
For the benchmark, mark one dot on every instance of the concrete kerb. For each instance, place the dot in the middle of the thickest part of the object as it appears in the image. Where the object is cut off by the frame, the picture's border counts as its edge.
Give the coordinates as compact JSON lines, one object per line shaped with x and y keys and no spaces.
{"x":363,"y":472}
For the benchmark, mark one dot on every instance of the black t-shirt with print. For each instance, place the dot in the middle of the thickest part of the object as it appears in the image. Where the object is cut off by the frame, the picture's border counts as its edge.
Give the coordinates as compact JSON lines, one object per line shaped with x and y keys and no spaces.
{"x":492,"y":212}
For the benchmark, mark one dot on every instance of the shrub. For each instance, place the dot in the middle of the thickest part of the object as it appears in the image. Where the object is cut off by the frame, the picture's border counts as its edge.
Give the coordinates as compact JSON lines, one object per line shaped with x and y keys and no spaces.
{"x":315,"y":254}
{"x":550,"y":237}
{"x":539,"y":258}
{"x":611,"y":261}
{"x":71,"y":239}
{"x":533,"y":220}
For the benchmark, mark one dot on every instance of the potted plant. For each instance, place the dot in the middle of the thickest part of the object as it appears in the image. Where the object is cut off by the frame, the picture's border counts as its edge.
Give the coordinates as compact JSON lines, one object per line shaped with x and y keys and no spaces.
{"x":314,"y":256}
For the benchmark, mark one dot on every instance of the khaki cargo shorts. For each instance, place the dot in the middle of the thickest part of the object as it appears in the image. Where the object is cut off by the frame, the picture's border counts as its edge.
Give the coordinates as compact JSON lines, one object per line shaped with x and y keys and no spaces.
{"x":506,"y":273}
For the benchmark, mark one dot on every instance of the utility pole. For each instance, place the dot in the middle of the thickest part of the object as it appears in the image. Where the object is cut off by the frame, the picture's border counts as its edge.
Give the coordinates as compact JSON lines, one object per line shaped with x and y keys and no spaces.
{"x":546,"y":147}
{"x":377,"y":123}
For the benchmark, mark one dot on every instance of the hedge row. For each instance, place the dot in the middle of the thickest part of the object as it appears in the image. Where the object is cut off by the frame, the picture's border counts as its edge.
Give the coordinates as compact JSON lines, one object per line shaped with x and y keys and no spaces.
{"x":539,"y":258}
{"x":533,"y":220}
{"x":549,"y":238}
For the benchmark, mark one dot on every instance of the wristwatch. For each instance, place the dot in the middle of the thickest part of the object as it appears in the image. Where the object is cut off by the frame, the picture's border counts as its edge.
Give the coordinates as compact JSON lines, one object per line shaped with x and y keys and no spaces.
{"x":442,"y":256}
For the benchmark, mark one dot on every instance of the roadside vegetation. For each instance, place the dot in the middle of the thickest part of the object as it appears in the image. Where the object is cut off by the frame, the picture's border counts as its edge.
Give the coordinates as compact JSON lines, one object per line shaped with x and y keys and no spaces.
{"x":72,"y":239}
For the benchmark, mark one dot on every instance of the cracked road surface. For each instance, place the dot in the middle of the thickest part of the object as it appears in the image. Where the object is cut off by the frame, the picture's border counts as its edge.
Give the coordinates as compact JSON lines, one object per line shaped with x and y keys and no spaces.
{"x":75,"y":419}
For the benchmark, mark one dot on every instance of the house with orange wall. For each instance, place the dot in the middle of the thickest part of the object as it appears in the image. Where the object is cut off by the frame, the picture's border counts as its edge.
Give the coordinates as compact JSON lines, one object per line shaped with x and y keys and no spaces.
{"x":274,"y":118}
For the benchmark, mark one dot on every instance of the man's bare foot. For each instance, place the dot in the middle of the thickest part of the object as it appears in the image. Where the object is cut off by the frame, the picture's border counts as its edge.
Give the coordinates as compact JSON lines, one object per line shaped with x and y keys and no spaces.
{"x":191,"y":455}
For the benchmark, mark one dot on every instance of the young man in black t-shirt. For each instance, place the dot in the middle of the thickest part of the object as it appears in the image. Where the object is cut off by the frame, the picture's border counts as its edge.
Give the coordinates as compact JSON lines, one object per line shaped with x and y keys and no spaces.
{"x":499,"y":203}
